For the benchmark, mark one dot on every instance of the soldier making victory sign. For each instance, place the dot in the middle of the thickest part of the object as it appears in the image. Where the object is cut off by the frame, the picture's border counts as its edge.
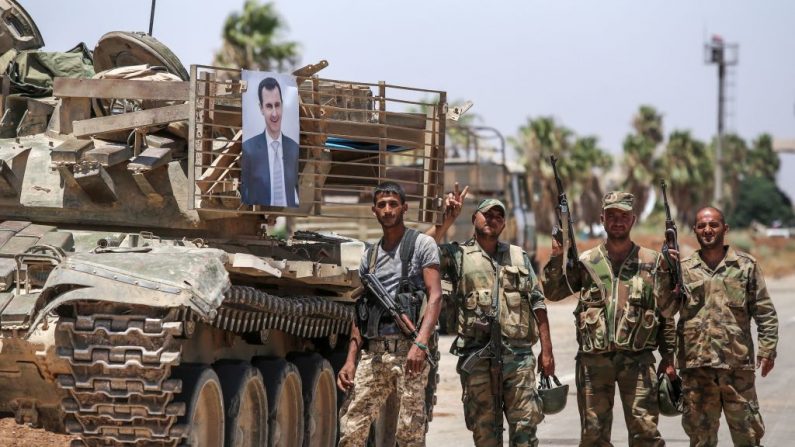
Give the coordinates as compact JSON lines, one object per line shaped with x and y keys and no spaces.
{"x":500,"y":316}
{"x":724,"y":290}
{"x":618,"y":325}
{"x":404,"y":265}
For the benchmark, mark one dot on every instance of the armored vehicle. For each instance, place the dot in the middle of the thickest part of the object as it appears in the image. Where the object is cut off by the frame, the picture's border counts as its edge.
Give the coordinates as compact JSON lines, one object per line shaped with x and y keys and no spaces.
{"x":141,"y":302}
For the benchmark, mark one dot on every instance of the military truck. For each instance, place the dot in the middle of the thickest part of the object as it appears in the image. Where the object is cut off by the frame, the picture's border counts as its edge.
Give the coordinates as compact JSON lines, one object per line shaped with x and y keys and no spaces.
{"x":141,"y":302}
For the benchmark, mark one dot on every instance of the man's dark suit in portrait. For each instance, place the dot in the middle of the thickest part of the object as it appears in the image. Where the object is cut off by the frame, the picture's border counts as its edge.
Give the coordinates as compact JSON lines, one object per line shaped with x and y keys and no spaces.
{"x":270,"y":160}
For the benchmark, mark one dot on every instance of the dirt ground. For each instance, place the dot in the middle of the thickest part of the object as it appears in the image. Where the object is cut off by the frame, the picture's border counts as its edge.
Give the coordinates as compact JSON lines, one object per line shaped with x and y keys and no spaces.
{"x":13,"y":435}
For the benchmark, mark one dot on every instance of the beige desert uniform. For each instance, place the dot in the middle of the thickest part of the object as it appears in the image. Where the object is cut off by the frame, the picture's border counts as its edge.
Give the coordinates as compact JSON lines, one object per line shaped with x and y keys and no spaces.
{"x":618,"y":325}
{"x":715,"y":350}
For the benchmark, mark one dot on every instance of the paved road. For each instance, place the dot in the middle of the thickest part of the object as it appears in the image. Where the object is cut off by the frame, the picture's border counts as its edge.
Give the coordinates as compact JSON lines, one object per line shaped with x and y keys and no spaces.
{"x":775,"y":392}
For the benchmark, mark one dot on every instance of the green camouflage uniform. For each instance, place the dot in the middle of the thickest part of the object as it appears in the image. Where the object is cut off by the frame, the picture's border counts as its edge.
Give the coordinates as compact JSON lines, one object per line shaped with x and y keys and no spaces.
{"x":474,"y":273}
{"x":715,"y":350}
{"x":618,"y":325}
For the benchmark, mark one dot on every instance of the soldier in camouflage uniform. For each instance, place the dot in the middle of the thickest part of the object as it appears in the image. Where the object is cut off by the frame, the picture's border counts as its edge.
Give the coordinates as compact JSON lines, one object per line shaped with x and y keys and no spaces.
{"x":724,"y":290}
{"x":474,"y":267}
{"x":618,"y":325}
{"x":389,"y":361}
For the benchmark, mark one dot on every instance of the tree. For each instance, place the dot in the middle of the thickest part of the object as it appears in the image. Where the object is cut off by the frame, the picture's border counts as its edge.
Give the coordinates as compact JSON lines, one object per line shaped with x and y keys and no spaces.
{"x":579,"y":161}
{"x":589,"y":160}
{"x":687,"y":167}
{"x":761,"y":201}
{"x":763,"y":161}
{"x":639,"y":151}
{"x":251,"y":40}
{"x":735,"y":154}
{"x":536,"y":140}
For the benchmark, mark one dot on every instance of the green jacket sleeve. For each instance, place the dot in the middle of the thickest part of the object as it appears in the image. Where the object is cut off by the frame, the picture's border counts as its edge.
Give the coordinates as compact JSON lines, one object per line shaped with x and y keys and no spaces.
{"x":761,"y":308}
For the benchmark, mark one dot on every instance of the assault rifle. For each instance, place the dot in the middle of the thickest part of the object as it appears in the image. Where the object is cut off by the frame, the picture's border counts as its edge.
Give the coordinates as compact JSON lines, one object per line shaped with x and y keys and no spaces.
{"x":395,"y":311}
{"x":565,"y":227}
{"x":671,"y":242}
{"x":493,"y":353}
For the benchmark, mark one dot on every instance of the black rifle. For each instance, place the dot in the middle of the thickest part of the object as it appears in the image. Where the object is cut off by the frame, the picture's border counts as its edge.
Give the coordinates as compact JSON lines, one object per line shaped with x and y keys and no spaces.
{"x":493,"y":353}
{"x":671,"y":242}
{"x":565,"y":227}
{"x":395,"y":311}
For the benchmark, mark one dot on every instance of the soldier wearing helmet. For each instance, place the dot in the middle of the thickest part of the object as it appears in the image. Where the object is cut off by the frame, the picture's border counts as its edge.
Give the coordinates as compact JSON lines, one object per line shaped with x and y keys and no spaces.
{"x":724,"y":290}
{"x":618,"y":325}
{"x":480,"y":269}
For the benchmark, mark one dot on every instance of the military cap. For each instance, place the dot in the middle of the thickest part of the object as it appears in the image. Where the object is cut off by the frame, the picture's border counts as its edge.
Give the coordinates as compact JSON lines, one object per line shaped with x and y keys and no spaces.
{"x":487,"y":204}
{"x":618,"y":199}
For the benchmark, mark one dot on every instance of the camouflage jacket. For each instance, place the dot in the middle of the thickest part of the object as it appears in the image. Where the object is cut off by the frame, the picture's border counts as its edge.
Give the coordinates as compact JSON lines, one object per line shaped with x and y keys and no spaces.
{"x":473,"y":273}
{"x":714,"y":328}
{"x":616,"y":311}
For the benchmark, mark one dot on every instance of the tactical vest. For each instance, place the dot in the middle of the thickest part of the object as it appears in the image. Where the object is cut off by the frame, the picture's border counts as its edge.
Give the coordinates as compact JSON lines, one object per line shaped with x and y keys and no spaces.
{"x":617,"y":310}
{"x":371,"y":316}
{"x":475,"y":285}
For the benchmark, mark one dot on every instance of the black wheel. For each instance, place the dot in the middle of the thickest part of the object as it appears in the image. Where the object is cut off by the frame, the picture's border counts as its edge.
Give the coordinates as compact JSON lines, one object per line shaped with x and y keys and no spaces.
{"x":320,"y":400}
{"x":202,"y":395}
{"x":246,"y":404}
{"x":285,"y":402}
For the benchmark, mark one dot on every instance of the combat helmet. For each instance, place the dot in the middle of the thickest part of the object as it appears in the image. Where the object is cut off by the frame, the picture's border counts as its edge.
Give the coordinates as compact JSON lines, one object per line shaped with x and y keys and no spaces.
{"x":552,"y":398}
{"x":669,"y":395}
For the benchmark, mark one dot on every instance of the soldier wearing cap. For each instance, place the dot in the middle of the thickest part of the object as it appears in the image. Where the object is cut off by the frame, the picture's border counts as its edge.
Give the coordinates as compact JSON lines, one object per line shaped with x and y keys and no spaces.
{"x":618,"y":325}
{"x":481,"y":268}
{"x":725,"y":290}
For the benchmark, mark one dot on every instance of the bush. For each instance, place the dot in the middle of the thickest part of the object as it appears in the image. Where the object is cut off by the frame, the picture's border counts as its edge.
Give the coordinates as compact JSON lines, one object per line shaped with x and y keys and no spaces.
{"x":760,"y":200}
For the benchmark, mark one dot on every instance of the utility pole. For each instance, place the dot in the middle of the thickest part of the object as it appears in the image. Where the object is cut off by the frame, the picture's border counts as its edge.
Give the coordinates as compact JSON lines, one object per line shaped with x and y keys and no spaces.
{"x":718,"y":52}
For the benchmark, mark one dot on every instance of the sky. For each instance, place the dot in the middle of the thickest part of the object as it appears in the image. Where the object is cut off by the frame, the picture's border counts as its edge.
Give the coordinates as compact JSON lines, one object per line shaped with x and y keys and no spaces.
{"x":590,"y":64}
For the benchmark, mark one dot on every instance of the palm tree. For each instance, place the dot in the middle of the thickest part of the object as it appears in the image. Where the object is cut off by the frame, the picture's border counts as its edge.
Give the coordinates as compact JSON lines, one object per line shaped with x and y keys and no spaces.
{"x":735,"y":154}
{"x":589,"y":161}
{"x":250,"y":40}
{"x":762,"y":160}
{"x":639,"y":154}
{"x":536,"y":141}
{"x":688,"y":168}
{"x":580,"y":161}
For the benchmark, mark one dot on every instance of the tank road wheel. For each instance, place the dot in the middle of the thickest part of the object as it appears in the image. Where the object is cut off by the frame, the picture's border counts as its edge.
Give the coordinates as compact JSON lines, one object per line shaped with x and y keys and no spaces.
{"x":320,"y":400}
{"x":201,"y":392}
{"x":246,"y":404}
{"x":285,"y":403}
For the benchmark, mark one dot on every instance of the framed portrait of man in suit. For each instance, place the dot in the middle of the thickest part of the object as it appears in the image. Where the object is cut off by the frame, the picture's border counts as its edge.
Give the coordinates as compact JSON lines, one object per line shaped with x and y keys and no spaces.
{"x":269,"y":161}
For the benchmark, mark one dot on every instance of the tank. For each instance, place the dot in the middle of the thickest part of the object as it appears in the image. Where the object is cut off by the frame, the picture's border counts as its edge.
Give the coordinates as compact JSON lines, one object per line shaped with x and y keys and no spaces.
{"x":141,"y":302}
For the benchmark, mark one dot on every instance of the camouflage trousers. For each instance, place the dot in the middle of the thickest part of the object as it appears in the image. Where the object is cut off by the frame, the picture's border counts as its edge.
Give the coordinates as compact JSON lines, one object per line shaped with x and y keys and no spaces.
{"x":706,"y":392}
{"x":597,"y":376}
{"x":521,"y":403}
{"x":377,"y":376}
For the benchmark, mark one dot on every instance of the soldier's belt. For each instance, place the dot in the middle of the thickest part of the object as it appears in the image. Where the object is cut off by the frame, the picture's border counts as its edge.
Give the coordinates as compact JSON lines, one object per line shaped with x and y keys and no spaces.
{"x":382,"y":345}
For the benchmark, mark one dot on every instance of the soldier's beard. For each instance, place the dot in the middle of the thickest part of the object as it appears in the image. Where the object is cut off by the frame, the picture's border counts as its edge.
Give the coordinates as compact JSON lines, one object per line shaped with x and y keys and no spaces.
{"x":481,"y":234}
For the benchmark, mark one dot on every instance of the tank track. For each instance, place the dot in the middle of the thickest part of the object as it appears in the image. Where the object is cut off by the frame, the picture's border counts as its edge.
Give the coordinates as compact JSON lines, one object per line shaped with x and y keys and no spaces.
{"x":120,"y":393}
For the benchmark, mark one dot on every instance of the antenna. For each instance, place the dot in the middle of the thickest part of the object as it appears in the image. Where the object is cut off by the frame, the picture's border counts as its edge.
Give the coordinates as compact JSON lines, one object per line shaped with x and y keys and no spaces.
{"x":716,"y":51}
{"x":152,"y":17}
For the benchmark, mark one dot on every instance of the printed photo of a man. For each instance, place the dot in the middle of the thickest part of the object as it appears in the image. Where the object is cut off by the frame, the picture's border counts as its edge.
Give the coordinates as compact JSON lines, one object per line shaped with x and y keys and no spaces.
{"x":269,"y":162}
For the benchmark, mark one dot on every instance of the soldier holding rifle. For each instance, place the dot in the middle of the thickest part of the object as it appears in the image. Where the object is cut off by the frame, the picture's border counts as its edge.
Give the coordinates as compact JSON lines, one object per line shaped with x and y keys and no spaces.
{"x":618,"y":325}
{"x":400,"y":271}
{"x":723,"y":290}
{"x":500,"y":315}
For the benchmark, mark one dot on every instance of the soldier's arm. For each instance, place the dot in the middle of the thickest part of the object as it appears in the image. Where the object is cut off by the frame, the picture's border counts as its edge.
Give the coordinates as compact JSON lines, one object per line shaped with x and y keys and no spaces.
{"x":546,"y":360}
{"x":556,"y":284}
{"x":764,"y":314}
{"x":666,"y":301}
{"x":452,"y":208}
{"x":666,"y":341}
